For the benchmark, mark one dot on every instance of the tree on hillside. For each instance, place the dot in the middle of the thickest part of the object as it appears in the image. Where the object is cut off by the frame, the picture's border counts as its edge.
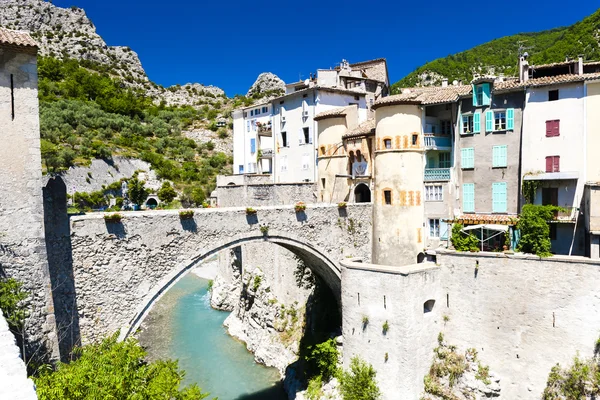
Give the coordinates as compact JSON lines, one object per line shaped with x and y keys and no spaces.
{"x":137,"y":191}
{"x":166,"y":193}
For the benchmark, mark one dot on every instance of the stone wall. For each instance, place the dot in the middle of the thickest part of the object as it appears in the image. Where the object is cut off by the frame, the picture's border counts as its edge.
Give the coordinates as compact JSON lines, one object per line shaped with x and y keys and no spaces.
{"x":521,"y":313}
{"x":14,"y":384}
{"x":120,"y":269}
{"x":265,"y":194}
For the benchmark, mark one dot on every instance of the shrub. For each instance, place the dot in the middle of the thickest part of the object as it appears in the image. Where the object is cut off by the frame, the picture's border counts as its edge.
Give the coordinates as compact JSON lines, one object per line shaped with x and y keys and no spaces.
{"x":342,"y":204}
{"x":463,"y":241}
{"x":211,"y":283}
{"x":365,"y":321}
{"x":113,"y":218}
{"x":300,"y":206}
{"x":323,"y":359}
{"x":314,"y":391}
{"x":186,"y":214}
{"x":11,"y":303}
{"x":256,"y":283}
{"x":115,"y":370}
{"x":535,"y":230}
{"x":264,"y":229}
{"x":250,"y":211}
{"x":166,"y":193}
{"x":359,"y":383}
{"x":137,"y":191}
{"x":385,"y":328}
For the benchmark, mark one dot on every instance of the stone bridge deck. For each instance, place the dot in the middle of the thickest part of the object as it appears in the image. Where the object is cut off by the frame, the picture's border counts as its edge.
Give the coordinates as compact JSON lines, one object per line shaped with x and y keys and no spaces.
{"x":121,"y":269}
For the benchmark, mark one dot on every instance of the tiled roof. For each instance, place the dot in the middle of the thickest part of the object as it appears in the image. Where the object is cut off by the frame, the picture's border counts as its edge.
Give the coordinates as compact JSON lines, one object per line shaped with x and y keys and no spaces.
{"x":333,"y":113}
{"x":367,"y":128}
{"x":16,"y":38}
{"x":545,"y":81}
{"x":475,"y":219}
{"x":427,"y":95}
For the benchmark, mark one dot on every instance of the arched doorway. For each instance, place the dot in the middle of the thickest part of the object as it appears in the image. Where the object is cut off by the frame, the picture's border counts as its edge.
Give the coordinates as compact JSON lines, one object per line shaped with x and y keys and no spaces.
{"x":362,"y":193}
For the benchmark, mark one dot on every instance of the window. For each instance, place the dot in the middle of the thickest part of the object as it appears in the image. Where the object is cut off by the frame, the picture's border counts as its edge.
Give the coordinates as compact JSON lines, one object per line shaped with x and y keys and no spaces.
{"x":284,"y":141}
{"x":434,"y":193}
{"x":468,"y":196}
{"x":446,"y":127}
{"x":553,"y":95}
{"x":553,"y":164}
{"x":305,"y":161}
{"x":241,"y":169}
{"x":323,"y":183}
{"x":553,"y":231}
{"x":12,"y":96}
{"x":434,"y":228}
{"x":387,"y":196}
{"x":306,"y":135}
{"x":415,"y":139}
{"x":499,"y":197}
{"x":387,"y":143}
{"x":444,"y":160}
{"x":467,"y":124}
{"x":550,"y":196}
{"x":251,"y":113}
{"x":265,"y":109}
{"x":248,"y":126}
{"x":499,"y":156}
{"x":481,"y":95}
{"x":553,"y":128}
{"x":467,"y":158}
{"x":500,"y":121}
{"x":252,"y":145}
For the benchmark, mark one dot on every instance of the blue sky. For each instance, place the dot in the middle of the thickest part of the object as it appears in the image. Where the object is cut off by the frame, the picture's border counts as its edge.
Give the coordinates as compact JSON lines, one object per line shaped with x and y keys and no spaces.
{"x":228,"y":43}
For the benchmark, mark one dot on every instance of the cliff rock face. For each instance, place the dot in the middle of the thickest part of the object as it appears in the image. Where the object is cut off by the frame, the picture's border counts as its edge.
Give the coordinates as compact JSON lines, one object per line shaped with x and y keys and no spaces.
{"x":69,"y":33}
{"x":267,"y":85}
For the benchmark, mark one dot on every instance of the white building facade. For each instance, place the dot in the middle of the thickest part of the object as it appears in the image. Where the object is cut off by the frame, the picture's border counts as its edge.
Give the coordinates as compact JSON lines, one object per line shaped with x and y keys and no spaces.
{"x":252,"y":140}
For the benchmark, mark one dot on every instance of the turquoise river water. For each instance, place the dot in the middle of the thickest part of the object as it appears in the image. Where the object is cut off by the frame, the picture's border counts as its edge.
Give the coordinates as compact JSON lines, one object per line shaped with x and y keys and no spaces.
{"x":183,"y":326}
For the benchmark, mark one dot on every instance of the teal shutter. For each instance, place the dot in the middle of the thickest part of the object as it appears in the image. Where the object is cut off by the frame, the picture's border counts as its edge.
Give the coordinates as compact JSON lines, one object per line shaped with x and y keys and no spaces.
{"x":499,"y":197}
{"x":487,"y":98}
{"x":443,"y":230}
{"x":467,"y":158}
{"x":510,"y":119}
{"x":499,"y":156}
{"x":460,"y":124}
{"x":474,"y":89}
{"x":477,"y":122}
{"x":489,"y":121}
{"x":252,"y":145}
{"x":468,"y":197}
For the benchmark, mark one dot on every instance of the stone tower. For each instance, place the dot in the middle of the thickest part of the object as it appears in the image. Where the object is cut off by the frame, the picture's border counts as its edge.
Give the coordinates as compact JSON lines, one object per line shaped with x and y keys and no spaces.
{"x":398,"y":180}
{"x":22,"y":243}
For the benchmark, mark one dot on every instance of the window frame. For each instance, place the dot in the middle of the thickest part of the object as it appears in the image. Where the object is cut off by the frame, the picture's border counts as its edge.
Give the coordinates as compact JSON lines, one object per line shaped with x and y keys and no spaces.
{"x":464,"y":151}
{"x":552,"y":91}
{"x":446,"y":163}
{"x":433,"y":227}
{"x":434,"y":193}
{"x":495,"y":156}
{"x":468,"y":124}
{"x":387,"y":141}
{"x":387,"y":197}
{"x":553,"y":128}
{"x":500,"y":120}
{"x":555,"y":164}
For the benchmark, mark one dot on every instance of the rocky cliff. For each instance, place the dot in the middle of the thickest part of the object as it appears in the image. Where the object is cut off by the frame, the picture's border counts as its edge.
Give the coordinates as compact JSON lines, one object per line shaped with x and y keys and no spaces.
{"x":266,"y":87}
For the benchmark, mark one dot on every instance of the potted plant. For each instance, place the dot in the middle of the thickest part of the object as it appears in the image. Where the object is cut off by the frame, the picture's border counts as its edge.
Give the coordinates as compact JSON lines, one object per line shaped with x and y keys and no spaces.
{"x":342,"y":204}
{"x":113,"y":218}
{"x":300,"y":206}
{"x":186,"y":214}
{"x":250,"y":211}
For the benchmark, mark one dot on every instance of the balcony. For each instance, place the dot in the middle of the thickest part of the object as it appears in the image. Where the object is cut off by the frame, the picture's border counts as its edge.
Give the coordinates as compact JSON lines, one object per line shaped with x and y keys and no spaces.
{"x":437,"y":174}
{"x":264,"y":129}
{"x":567,"y":214}
{"x":265,"y":153}
{"x":437,"y":142}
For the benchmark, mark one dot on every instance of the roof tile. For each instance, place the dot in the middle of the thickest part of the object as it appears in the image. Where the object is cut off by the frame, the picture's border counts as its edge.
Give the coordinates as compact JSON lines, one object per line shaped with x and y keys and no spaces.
{"x":17,"y":38}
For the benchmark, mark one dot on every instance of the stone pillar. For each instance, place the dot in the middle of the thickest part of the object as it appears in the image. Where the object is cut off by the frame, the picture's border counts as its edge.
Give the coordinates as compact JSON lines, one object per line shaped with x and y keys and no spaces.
{"x":22,"y":245}
{"x":398,"y":179}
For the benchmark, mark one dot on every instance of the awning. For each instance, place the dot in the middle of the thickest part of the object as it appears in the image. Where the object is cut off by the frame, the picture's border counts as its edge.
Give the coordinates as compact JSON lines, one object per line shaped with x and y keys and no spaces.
{"x":553,"y":176}
{"x":491,"y":227}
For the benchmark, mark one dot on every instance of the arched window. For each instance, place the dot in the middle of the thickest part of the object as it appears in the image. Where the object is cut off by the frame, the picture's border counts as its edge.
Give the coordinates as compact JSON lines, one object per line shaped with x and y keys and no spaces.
{"x":323,"y":150}
{"x":362,"y":193}
{"x":428,"y":306}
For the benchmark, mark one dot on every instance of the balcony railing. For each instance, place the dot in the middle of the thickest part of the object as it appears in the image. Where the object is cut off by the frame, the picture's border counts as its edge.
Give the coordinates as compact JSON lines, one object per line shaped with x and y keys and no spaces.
{"x":265,"y":129}
{"x":433,"y":142}
{"x":266,"y":153}
{"x":567,"y":214}
{"x":437,"y":174}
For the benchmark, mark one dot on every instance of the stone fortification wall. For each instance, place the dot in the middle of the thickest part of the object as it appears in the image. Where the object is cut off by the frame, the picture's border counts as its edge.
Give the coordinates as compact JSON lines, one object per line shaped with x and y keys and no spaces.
{"x":120,"y":269}
{"x":265,"y":194}
{"x":521,"y":313}
{"x":14,"y":383}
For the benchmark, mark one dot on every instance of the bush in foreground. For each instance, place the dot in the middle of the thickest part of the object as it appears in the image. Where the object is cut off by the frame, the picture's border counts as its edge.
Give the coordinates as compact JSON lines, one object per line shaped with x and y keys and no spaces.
{"x":359,"y":383}
{"x":115,"y":370}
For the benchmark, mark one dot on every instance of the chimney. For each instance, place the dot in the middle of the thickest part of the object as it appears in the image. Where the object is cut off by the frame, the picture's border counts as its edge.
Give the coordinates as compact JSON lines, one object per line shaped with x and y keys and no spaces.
{"x":455,"y":82}
{"x":523,"y":68}
{"x":580,"y":65}
{"x":445,"y":82}
{"x":500,"y":78}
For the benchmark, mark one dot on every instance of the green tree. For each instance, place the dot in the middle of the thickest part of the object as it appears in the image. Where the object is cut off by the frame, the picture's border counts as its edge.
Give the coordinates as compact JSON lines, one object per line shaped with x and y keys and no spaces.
{"x":137,"y":191}
{"x":323,"y":359}
{"x":115,"y":370}
{"x":166,"y":193}
{"x":535,"y":230}
{"x":463,"y":241}
{"x":359,"y":383}
{"x":11,"y":303}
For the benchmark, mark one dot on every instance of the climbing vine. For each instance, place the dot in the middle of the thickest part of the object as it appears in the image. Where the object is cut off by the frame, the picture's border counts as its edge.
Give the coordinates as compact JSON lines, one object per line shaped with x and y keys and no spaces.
{"x":535,"y":230}
{"x":529,"y":188}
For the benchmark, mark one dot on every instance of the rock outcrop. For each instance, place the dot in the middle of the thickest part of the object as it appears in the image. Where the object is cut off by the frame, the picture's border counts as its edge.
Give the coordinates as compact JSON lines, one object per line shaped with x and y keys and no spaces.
{"x":267,"y":86}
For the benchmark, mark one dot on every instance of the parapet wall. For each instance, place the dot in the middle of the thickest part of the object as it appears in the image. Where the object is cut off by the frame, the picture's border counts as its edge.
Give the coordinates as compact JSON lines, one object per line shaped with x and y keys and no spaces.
{"x":521,"y":313}
{"x":265,"y":194}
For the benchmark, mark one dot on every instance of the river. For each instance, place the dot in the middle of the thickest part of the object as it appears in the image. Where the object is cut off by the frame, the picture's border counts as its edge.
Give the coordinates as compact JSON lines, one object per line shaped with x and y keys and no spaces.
{"x":183,"y":326}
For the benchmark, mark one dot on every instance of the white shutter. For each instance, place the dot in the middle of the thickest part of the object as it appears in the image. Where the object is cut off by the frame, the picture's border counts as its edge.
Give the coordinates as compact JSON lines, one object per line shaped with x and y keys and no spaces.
{"x":310,"y":135}
{"x":300,"y":136}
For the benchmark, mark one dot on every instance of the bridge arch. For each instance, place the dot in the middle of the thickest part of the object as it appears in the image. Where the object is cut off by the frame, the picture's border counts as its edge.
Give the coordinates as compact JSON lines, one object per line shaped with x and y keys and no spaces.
{"x":314,"y":258}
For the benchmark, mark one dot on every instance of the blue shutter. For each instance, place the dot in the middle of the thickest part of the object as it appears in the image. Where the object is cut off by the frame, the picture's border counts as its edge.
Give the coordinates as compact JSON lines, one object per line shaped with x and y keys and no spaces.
{"x":487,"y":98}
{"x":467,"y":158}
{"x":477,"y":122}
{"x":252,"y":145}
{"x":443,"y":230}
{"x":468,"y":197}
{"x":460,"y":124}
{"x":499,"y":197}
{"x":474,"y":89}
{"x":510,"y":119}
{"x":489,"y":121}
{"x":499,"y":156}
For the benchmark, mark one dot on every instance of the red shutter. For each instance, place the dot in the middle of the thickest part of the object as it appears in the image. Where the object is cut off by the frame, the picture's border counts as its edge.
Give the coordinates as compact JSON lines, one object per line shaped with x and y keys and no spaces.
{"x":548,"y":128}
{"x":556,"y":130}
{"x":549,"y":164}
{"x":556,"y":166}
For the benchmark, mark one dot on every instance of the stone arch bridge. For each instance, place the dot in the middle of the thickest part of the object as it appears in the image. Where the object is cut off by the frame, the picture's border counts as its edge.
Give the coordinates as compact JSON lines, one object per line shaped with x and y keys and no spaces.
{"x":119,"y":270}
